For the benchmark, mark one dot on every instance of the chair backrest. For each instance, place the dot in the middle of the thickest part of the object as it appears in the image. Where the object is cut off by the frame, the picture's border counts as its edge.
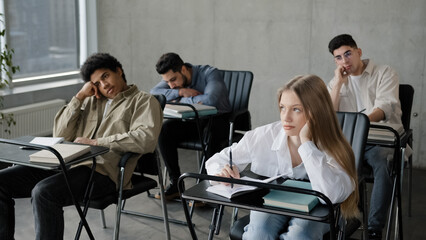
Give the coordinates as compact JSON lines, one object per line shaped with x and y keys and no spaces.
{"x":239,"y":85}
{"x":355,"y":127}
{"x":162,"y":99}
{"x":406,"y":95}
{"x":147,"y":163}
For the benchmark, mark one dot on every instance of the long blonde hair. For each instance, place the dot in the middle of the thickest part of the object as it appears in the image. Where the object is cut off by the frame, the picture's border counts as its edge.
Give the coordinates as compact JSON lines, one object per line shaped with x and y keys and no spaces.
{"x":325,"y":130}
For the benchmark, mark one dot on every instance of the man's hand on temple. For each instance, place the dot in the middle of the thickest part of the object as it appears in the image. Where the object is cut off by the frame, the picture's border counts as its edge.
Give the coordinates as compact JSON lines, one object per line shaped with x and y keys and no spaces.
{"x":88,"y":90}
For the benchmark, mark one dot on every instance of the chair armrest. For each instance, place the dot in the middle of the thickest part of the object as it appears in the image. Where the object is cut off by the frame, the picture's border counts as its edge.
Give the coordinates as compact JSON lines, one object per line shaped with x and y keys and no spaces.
{"x":320,"y":195}
{"x":236,"y":114}
{"x":124,"y":159}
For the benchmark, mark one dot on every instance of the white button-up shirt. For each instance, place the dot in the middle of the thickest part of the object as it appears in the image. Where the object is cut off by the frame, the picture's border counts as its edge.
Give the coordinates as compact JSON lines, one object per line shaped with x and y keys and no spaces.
{"x":267,"y":150}
{"x":379,"y":88}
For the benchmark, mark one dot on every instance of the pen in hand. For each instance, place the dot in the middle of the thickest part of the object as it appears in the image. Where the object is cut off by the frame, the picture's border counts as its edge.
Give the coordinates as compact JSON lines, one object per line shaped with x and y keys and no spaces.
{"x":230,"y":163}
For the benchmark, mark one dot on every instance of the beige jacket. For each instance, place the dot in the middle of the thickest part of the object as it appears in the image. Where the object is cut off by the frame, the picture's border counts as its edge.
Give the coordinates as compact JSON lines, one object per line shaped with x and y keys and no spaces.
{"x":132,"y":124}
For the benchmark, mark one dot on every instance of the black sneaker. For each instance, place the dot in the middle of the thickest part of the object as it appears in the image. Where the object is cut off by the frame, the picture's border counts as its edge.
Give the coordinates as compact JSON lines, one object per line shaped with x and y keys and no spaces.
{"x":351,"y":226}
{"x":374,"y":234}
{"x":170,"y":193}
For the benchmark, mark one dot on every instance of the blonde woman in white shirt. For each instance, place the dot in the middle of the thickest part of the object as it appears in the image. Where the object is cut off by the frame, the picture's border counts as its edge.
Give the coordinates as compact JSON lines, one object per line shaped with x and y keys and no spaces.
{"x":306,"y":144}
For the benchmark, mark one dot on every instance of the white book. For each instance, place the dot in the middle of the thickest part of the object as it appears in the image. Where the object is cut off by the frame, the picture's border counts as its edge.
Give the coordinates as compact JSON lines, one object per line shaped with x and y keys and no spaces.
{"x":68,"y":152}
{"x":182,"y":111}
{"x":47,"y":141}
{"x":238,"y":189}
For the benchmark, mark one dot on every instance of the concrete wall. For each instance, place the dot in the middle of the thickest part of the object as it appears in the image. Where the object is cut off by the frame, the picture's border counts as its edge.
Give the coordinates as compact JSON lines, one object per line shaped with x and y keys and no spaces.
{"x":275,"y":39}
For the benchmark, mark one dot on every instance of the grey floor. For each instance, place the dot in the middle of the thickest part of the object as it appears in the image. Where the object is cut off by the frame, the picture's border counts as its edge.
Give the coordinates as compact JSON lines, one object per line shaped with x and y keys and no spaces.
{"x":142,"y":228}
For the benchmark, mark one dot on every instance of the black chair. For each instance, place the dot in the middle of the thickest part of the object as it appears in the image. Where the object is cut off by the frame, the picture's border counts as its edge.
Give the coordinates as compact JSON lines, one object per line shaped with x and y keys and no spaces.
{"x":239,"y":85}
{"x":355,"y":128}
{"x":352,"y":128}
{"x":406,"y":95}
{"x":148,"y":164}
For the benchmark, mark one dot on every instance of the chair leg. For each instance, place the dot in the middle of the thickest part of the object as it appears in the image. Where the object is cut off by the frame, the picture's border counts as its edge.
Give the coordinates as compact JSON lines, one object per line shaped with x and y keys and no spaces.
{"x":117,"y":221}
{"x":165,"y":177}
{"x":163,"y":201}
{"x":365,"y":211}
{"x":103,"y":218}
{"x":410,"y":183}
{"x":120,"y":205}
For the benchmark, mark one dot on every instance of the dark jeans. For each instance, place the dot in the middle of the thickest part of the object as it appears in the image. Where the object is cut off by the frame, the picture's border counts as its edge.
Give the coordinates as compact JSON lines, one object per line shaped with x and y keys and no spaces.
{"x":381,"y":193}
{"x":175,"y":131}
{"x":49,"y":195}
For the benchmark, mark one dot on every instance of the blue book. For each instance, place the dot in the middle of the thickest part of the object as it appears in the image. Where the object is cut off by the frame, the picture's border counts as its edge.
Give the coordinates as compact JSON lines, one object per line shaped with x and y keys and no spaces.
{"x":291,"y":200}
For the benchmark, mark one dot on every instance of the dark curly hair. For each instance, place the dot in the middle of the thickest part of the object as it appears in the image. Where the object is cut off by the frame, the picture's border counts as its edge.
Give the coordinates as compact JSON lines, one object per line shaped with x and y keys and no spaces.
{"x":169,"y":61}
{"x":97,"y":61}
{"x":341,"y":40}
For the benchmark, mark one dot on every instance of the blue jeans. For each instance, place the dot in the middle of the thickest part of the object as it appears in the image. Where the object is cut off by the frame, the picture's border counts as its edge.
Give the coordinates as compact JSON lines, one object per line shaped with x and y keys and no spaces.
{"x":381,"y":194}
{"x":270,"y":226}
{"x":49,"y":195}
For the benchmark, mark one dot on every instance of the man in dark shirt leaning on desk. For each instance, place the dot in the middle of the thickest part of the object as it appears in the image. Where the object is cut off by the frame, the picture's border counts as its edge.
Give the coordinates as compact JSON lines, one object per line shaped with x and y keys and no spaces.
{"x":187,"y":83}
{"x":106,"y":112}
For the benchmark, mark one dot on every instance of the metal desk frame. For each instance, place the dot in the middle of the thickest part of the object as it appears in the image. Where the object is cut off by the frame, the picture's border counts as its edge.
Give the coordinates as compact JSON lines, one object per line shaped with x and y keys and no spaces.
{"x":21,"y":157}
{"x":253,"y":201}
{"x":399,"y":144}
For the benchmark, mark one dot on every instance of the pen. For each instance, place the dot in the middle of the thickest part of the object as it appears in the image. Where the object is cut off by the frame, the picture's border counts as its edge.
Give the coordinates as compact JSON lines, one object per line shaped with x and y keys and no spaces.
{"x":362,"y":110}
{"x":230,"y":162}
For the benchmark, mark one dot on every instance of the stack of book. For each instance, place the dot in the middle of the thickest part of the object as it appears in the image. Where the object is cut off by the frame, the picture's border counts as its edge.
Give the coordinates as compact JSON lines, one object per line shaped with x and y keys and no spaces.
{"x":384,"y":134}
{"x":182,"y":111}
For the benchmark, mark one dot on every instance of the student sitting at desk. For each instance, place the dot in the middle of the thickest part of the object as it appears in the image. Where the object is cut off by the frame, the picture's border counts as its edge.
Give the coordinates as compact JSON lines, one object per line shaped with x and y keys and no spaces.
{"x":187,"y":83}
{"x":362,"y":86}
{"x":307,"y":144}
{"x":106,"y":112}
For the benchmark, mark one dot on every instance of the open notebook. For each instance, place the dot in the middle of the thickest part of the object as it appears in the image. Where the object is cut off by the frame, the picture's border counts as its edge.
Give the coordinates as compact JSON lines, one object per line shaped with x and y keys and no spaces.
{"x":228,"y":192}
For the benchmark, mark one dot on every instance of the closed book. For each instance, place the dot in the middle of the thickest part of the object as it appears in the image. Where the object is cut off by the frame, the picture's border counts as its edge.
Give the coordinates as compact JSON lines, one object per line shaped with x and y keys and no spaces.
{"x":182,"y":111}
{"x":47,"y":141}
{"x":292,"y":200}
{"x":68,"y":152}
{"x":384,"y":134}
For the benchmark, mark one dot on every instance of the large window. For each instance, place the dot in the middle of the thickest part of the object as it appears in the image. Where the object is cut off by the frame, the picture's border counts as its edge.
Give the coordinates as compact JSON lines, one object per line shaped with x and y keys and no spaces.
{"x":46,"y":37}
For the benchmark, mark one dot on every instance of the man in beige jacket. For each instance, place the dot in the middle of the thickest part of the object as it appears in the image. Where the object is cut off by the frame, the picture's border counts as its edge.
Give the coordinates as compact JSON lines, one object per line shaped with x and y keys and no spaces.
{"x":105,"y":112}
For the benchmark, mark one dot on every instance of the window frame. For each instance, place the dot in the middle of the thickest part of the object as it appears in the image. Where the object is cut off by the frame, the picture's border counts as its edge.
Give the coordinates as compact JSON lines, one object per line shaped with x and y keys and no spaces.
{"x":87,"y":43}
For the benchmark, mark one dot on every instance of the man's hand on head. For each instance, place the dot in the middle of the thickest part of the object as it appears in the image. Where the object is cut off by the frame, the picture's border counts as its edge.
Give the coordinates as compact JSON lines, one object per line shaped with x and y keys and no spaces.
{"x":188,"y":92}
{"x":88,"y":141}
{"x":88,"y":90}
